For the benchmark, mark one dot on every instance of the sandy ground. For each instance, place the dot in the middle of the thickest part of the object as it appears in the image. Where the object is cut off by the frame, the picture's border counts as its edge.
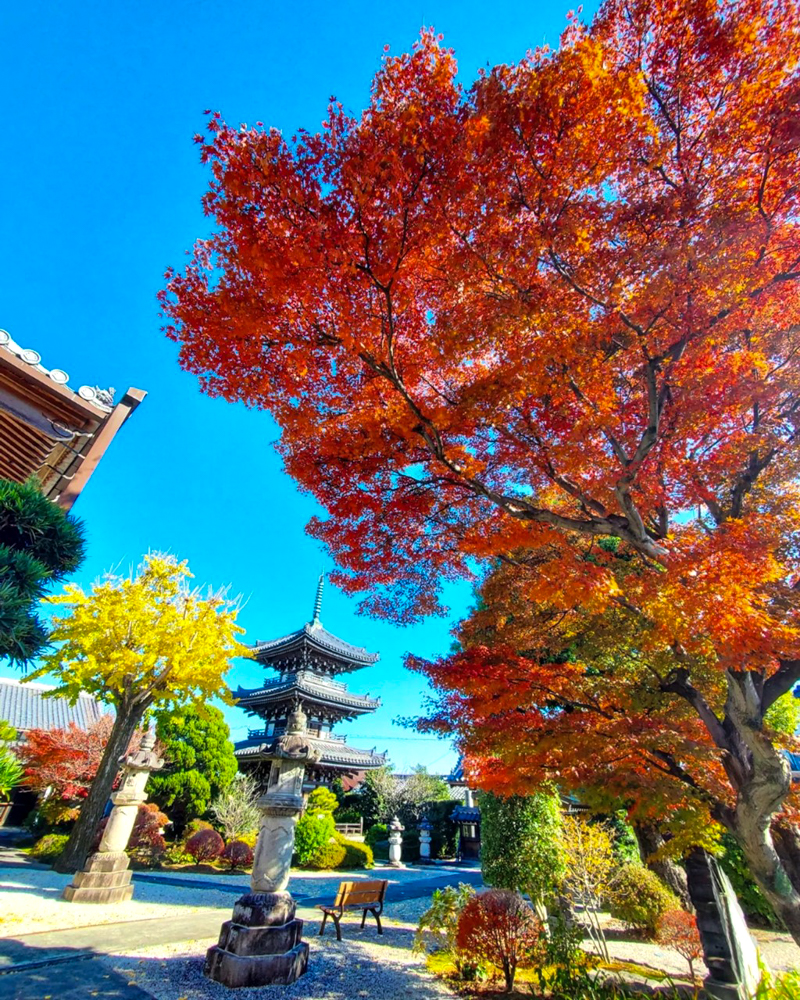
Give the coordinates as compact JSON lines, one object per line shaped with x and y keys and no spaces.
{"x":30,"y":899}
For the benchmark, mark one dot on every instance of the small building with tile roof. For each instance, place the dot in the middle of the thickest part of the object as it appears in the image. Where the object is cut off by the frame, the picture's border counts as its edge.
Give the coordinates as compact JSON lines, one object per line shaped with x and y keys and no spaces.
{"x":24,"y":706}
{"x":50,"y":431}
{"x":308,"y":662}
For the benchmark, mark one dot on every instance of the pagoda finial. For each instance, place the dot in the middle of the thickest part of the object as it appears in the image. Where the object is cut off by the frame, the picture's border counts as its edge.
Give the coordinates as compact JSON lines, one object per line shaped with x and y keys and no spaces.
{"x":318,"y":600}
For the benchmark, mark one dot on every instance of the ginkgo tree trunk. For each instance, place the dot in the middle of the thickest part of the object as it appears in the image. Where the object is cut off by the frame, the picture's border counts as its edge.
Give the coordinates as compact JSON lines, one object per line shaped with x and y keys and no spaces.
{"x":554,"y":308}
{"x":134,"y":642}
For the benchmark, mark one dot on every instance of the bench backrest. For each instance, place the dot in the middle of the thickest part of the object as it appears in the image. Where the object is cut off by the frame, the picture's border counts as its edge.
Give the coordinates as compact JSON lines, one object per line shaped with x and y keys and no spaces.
{"x":361,"y":893}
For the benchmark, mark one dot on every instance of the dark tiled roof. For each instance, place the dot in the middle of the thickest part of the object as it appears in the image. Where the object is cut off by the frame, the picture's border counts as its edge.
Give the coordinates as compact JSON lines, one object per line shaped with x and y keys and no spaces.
{"x":335,"y":753}
{"x":315,"y":635}
{"x":25,"y":707}
{"x":312,"y":687}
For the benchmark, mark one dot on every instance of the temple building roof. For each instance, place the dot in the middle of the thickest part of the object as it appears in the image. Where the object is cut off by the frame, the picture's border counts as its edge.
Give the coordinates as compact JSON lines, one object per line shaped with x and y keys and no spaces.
{"x":49,"y":430}
{"x":319,"y":693}
{"x":313,"y":646}
{"x":336,"y":753}
{"x":26,"y":706}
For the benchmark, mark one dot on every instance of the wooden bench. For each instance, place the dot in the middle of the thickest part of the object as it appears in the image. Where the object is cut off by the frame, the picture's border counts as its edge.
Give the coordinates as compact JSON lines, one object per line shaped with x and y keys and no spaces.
{"x":365,"y":896}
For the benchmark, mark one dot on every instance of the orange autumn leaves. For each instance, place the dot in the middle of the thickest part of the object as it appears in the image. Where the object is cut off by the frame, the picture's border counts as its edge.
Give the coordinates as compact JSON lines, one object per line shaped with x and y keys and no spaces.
{"x":555,"y":307}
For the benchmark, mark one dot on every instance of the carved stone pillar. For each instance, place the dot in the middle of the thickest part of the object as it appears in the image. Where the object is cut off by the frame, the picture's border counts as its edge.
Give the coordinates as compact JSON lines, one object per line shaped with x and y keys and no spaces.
{"x":105,"y":877}
{"x":261,"y":943}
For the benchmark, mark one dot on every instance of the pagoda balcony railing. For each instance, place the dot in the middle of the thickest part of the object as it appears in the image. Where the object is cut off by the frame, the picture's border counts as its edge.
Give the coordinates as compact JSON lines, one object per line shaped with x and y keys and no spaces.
{"x":305,"y":675}
{"x":261,"y":734}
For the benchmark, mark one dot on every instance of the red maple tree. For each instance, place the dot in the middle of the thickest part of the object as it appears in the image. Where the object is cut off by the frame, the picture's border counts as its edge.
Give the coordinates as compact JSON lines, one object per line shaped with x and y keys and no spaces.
{"x":558,"y":307}
{"x":60,"y":764}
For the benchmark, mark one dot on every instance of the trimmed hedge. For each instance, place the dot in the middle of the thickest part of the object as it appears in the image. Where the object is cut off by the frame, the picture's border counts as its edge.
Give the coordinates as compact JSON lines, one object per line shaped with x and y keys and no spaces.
{"x":328,"y":857}
{"x":357,"y":855}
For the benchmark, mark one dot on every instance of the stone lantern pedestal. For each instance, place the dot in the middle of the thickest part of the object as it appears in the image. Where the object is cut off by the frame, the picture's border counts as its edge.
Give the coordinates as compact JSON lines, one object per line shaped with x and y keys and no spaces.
{"x":105,"y":877}
{"x":262,"y":942}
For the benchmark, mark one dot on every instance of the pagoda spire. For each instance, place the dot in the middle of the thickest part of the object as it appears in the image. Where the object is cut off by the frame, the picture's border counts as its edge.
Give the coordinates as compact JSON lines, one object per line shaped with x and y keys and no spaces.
{"x":318,"y":600}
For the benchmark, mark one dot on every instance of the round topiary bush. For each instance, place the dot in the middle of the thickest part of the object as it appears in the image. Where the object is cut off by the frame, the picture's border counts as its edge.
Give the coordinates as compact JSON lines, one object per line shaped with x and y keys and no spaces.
{"x":357,"y":855}
{"x":205,"y":845}
{"x":328,"y":857}
{"x":49,"y":847}
{"x":640,"y":898}
{"x":238,"y":854}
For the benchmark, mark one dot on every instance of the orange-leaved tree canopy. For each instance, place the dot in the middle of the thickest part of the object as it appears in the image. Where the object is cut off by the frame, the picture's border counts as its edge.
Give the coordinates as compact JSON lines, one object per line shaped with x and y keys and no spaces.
{"x":557,"y":307}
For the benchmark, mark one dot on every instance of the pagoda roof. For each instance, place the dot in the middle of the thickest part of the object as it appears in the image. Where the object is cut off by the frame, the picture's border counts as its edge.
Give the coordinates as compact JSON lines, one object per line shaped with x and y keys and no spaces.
{"x":335,"y":753}
{"x":309,"y":688}
{"x":313,"y":635}
{"x":49,"y":430}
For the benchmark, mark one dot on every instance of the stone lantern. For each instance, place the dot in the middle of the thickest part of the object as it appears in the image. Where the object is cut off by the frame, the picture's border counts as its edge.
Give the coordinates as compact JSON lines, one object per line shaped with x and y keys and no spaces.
{"x":262,"y":943}
{"x":105,"y":877}
{"x":425,"y":829}
{"x":396,"y":842}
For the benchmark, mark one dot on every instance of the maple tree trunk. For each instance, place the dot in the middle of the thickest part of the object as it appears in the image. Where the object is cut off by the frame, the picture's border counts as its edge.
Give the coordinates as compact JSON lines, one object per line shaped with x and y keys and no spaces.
{"x":765,"y":865}
{"x":763,"y":776}
{"x":80,"y":839}
{"x":650,"y":840}
{"x":787,"y":843}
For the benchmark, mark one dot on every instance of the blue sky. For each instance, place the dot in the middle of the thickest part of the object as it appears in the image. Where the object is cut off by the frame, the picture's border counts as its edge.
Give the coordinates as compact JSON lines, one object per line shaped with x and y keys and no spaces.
{"x":101,"y":190}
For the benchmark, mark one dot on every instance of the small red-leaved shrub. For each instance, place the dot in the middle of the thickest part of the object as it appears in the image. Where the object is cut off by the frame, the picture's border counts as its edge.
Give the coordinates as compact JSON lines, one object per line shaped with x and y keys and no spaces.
{"x":238,"y":854}
{"x":500,"y":928}
{"x":205,"y":845}
{"x":146,"y":833}
{"x":678,"y":929}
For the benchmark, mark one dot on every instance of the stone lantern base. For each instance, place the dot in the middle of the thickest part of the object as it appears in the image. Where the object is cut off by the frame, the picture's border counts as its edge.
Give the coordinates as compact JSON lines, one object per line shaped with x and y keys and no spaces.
{"x":105,"y":879}
{"x":261,"y":944}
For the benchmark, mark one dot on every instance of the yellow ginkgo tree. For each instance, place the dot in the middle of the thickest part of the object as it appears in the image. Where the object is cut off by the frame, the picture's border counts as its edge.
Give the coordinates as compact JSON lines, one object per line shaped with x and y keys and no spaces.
{"x":134,"y":642}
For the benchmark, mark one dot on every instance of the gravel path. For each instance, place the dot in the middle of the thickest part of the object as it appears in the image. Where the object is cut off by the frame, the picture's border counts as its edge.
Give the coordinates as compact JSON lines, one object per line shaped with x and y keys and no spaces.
{"x":362,"y":965}
{"x":30,"y":897}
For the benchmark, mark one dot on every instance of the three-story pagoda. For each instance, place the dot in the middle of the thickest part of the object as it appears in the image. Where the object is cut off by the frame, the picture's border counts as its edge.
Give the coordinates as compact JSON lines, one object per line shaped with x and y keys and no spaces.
{"x":307,"y":663}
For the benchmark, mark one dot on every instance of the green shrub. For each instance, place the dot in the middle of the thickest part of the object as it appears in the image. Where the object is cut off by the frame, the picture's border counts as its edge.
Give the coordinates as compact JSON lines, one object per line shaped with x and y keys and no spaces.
{"x":357,"y":855}
{"x":313,"y":831}
{"x":328,"y":857}
{"x":640,"y":898}
{"x":322,"y":800}
{"x":347,"y":815}
{"x":438,"y":926}
{"x":521,"y":843}
{"x":175,"y":854}
{"x":49,"y":847}
{"x":378,"y":831}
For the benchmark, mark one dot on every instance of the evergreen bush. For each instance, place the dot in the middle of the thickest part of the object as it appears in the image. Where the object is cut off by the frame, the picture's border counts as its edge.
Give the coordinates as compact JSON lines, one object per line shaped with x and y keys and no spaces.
{"x":313,"y":831}
{"x":639,"y":898}
{"x":328,"y":857}
{"x":376,"y":833}
{"x":357,"y":855}
{"x":521,"y":843}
